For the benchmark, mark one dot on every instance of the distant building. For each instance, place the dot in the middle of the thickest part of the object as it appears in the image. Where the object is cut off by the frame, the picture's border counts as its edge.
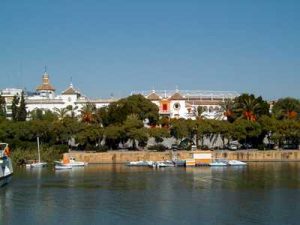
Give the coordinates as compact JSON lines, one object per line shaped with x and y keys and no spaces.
{"x":8,"y":94}
{"x":184,"y":104}
{"x":172,"y":104}
{"x":45,"y":98}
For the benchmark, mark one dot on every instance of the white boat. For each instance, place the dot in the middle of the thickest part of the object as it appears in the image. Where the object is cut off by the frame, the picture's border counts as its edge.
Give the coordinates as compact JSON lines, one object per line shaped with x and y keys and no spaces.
{"x":37,"y":164}
{"x":166,"y":163}
{"x":219,"y":162}
{"x":62,"y":167}
{"x":140,"y":163}
{"x":70,"y":162}
{"x":6,"y":169}
{"x":236,"y":163}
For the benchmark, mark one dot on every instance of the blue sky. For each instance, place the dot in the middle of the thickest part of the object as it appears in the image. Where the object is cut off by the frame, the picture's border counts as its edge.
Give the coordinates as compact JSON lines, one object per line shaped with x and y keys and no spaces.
{"x":117,"y":46}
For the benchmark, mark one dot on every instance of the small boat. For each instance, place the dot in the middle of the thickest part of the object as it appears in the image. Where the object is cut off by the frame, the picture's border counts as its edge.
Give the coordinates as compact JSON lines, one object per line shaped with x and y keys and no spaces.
{"x":179,"y":162}
{"x":166,"y":163}
{"x":37,"y":164}
{"x":62,"y":167}
{"x":70,"y":162}
{"x":140,"y":163}
{"x":219,"y":162}
{"x":6,"y":169}
{"x":236,"y":163}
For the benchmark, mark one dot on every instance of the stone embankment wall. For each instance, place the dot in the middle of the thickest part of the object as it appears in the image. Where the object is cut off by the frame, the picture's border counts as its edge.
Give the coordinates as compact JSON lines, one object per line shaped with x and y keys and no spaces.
{"x":124,"y":156}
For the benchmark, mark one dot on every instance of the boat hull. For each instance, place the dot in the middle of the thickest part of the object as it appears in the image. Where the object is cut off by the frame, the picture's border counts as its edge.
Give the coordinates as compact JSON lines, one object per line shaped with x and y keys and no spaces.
{"x":61,"y":167}
{"x":5,"y":180}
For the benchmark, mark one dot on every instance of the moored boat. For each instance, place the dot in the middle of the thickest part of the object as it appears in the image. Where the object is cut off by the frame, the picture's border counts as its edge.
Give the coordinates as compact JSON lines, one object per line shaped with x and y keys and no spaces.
{"x":166,"y":163}
{"x":140,"y":163}
{"x":62,"y":167}
{"x":236,"y":163}
{"x":37,"y":164}
{"x":218,"y":162}
{"x":6,"y":169}
{"x":72,"y":162}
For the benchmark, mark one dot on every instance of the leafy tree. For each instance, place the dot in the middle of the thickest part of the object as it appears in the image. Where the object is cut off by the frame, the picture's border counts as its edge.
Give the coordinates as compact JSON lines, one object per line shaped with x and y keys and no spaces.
{"x":2,"y":107}
{"x":287,"y":108}
{"x":159,"y":133}
{"x":135,"y":104}
{"x":132,"y":126}
{"x":114,"y":135}
{"x":247,"y":131}
{"x":179,"y":129}
{"x":72,"y":110}
{"x":249,"y":107}
{"x":21,"y":111}
{"x":227,"y":110}
{"x":200,"y":110}
{"x":88,"y":113}
{"x":14,"y":108}
{"x":61,"y":113}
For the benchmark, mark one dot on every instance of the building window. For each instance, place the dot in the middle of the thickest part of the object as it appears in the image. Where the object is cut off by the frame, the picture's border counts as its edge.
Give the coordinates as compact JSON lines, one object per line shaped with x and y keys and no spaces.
{"x":176,"y":106}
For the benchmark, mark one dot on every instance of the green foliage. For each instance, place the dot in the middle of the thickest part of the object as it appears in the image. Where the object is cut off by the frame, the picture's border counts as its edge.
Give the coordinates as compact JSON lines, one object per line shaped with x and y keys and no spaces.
{"x":158,"y":147}
{"x":287,"y":108}
{"x":159,"y":134}
{"x":22,"y":113}
{"x":14,"y":108}
{"x":136,"y":104}
{"x":2,"y":108}
{"x":250,"y":107}
{"x":123,"y":122}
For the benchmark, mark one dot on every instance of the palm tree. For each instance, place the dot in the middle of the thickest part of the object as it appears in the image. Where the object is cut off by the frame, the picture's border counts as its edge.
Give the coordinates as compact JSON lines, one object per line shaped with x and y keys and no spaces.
{"x":72,"y":110}
{"x":226,"y":109}
{"x":286,"y":108}
{"x":88,"y":113}
{"x":250,"y":108}
{"x":61,"y":113}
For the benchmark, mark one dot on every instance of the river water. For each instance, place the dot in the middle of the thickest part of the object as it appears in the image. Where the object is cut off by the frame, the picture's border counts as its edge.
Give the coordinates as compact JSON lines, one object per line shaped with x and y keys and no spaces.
{"x":260,"y":193}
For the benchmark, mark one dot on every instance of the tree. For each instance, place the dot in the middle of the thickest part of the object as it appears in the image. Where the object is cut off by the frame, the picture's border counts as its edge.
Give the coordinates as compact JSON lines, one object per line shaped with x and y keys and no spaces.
{"x":286,"y":108}
{"x":61,"y":113}
{"x":133,"y":129}
{"x":2,"y":107}
{"x":249,"y":107}
{"x":159,"y":134}
{"x":227,"y":108}
{"x":88,"y":113}
{"x":247,"y":131}
{"x":21,"y":112}
{"x":14,"y":108}
{"x":134,"y":104}
{"x":200,"y":110}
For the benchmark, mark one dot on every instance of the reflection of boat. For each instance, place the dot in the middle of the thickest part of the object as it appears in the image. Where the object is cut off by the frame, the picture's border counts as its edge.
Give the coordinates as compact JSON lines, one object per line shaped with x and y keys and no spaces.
{"x":70,"y":162}
{"x":140,"y":163}
{"x":38,"y":164}
{"x":236,"y":163}
{"x":6,"y":170}
{"x":219,"y":162}
{"x":62,"y":167}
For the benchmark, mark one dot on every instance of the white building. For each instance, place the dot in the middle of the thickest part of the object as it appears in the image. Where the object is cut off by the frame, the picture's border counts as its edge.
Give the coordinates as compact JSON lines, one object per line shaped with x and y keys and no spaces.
{"x":45,"y":98}
{"x":184,"y":104}
{"x":172,"y":104}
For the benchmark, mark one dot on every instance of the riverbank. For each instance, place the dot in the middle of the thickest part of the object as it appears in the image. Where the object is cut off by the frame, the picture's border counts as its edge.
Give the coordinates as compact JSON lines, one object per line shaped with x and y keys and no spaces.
{"x":126,"y":156}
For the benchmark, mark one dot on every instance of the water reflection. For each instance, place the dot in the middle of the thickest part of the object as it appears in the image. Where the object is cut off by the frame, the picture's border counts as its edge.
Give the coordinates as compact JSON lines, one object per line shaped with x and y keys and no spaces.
{"x":260,"y":193}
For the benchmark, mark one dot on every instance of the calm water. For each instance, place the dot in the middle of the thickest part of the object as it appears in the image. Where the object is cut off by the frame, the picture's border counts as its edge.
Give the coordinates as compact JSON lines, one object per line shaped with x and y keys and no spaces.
{"x":261,"y":193}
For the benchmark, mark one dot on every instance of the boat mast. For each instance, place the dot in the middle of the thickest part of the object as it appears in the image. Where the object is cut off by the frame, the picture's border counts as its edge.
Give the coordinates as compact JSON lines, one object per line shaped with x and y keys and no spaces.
{"x":38,"y":144}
